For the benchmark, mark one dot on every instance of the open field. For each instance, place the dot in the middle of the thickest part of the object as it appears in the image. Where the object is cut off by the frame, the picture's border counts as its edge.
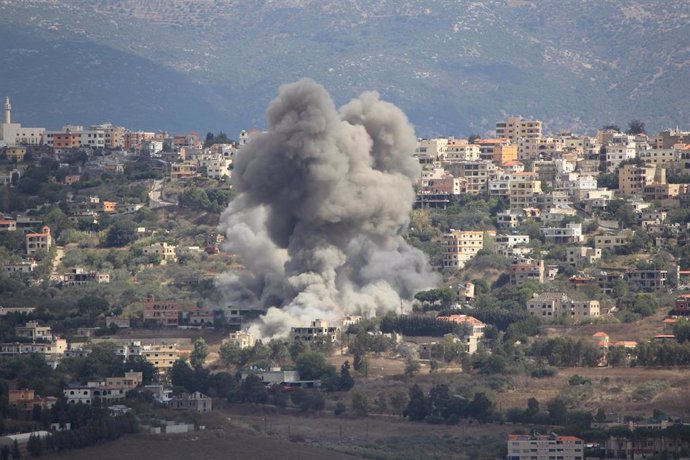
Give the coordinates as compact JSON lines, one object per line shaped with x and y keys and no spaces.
{"x":265,"y":432}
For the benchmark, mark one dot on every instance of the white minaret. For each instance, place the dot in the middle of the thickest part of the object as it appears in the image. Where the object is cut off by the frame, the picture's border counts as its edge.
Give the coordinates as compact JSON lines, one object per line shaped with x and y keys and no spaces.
{"x":8,"y":111}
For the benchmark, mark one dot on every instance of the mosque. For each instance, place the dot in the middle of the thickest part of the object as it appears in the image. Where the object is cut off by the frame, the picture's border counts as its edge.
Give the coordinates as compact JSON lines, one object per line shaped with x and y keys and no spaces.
{"x":13,"y":134}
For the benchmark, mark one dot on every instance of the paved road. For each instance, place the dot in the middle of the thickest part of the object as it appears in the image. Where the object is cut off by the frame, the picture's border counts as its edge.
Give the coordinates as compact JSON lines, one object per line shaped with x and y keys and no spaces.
{"x":155,"y":195}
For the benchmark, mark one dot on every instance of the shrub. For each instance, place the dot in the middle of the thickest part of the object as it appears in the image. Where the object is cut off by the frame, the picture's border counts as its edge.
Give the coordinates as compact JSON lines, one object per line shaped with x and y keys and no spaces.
{"x":543,"y":372}
{"x":648,"y":390}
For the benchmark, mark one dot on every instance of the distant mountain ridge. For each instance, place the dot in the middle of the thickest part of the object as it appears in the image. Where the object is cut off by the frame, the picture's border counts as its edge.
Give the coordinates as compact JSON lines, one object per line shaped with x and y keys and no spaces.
{"x":455,"y":67}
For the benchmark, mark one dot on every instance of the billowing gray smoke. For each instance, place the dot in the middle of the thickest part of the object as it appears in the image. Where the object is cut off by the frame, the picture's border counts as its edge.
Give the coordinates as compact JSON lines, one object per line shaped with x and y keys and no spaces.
{"x":323,"y":198}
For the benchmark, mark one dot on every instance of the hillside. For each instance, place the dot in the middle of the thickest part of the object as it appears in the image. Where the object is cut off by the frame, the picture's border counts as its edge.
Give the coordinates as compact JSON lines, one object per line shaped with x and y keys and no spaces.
{"x":453,"y":66}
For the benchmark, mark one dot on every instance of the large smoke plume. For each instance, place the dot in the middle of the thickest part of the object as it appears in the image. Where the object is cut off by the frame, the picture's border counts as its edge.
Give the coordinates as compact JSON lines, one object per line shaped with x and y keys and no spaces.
{"x":324,"y":196}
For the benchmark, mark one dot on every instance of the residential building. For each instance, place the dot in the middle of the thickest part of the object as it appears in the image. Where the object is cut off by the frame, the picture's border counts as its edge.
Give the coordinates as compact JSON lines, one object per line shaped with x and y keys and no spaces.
{"x":53,"y":351}
{"x":461,"y":150}
{"x":118,"y":321}
{"x":545,"y":447}
{"x":92,"y":393}
{"x":649,"y":280}
{"x":460,"y":246}
{"x":539,"y":148}
{"x":318,"y":331}
{"x":32,"y":330}
{"x":8,"y":225}
{"x":524,"y":188}
{"x":163,"y":313}
{"x":80,"y":277}
{"x":475,"y":173}
{"x":197,"y":402}
{"x":36,"y":242}
{"x":465,"y":291}
{"x":551,"y":306}
{"x":184,"y":170}
{"x":633,"y":179}
{"x":515,"y":127}
{"x":522,"y":272}
{"x":274,"y":376}
{"x":487,"y":147}
{"x":134,"y":140}
{"x":217,"y":168}
{"x":646,"y":444}
{"x":26,"y":399}
{"x":571,"y":233}
{"x":511,"y":240}
{"x":474,"y":334}
{"x":162,"y":355}
{"x":613,"y":241}
{"x":431,"y":150}
{"x":243,"y":339}
{"x":25,"y":266}
{"x":682,"y":305}
{"x":196,"y":316}
{"x":607,"y":281}
{"x":166,"y":252}
{"x":504,"y":153}
{"x":129,"y":381}
{"x":509,"y":218}
{"x":15,"y":154}
{"x":580,"y":256}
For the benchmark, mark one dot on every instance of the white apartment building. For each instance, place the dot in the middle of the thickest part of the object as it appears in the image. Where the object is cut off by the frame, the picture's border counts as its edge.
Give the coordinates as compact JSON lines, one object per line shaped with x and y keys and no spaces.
{"x":242,"y":339}
{"x":571,"y":233}
{"x":617,"y":153}
{"x":460,"y":246}
{"x":511,"y":240}
{"x":461,"y":150}
{"x":431,"y":150}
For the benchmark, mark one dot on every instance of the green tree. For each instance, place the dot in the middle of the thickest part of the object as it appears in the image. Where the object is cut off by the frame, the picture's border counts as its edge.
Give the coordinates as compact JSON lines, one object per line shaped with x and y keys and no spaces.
{"x":360,"y":405}
{"x":532,"y":408}
{"x":411,"y":367}
{"x":682,"y":330}
{"x":120,"y":234}
{"x":253,"y":390}
{"x":198,"y":355}
{"x":312,"y":365}
{"x":481,"y":407}
{"x":181,"y":375}
{"x":16,"y":453}
{"x":230,"y":353}
{"x":636,"y":127}
{"x":307,"y":399}
{"x":34,"y":446}
{"x":418,"y":406}
{"x":398,"y":400}
{"x":558,"y":411}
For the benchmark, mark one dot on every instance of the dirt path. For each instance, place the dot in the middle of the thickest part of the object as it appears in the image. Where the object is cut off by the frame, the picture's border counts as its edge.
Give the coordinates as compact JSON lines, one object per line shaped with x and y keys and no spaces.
{"x":59,"y":255}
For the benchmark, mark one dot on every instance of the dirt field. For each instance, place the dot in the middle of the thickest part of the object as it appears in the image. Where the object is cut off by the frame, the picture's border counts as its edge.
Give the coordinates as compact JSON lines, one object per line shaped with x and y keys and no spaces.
{"x":258,"y":432}
{"x":208,"y":445}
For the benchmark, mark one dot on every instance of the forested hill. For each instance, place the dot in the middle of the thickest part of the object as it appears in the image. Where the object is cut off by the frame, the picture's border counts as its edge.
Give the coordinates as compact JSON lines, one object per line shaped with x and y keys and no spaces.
{"x":455,"y":66}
